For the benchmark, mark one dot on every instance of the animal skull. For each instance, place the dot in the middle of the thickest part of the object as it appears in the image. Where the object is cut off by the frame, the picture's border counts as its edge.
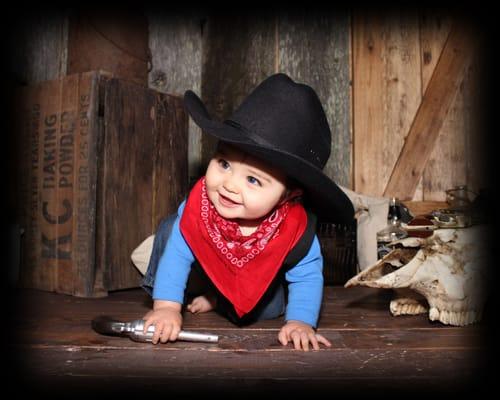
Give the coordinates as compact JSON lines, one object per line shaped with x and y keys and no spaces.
{"x":444,"y":273}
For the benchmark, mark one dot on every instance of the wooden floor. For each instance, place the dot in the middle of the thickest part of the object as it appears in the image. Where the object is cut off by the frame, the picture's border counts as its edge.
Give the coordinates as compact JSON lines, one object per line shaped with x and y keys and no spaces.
{"x":55,"y":347}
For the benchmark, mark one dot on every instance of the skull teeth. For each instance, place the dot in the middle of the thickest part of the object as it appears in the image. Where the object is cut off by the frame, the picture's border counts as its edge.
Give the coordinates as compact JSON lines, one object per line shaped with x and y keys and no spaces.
{"x":458,"y":318}
{"x":405,"y":306}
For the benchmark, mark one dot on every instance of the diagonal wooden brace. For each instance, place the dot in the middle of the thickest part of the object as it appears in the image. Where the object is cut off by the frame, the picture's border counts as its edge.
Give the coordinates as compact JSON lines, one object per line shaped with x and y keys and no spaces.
{"x":424,"y":130}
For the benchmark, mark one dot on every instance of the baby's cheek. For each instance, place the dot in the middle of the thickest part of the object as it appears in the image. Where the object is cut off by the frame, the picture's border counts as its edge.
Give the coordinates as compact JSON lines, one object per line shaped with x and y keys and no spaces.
{"x":258,"y":206}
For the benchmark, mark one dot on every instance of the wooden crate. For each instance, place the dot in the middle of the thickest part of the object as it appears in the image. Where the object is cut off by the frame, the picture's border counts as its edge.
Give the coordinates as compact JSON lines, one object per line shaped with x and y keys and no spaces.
{"x":101,"y":161}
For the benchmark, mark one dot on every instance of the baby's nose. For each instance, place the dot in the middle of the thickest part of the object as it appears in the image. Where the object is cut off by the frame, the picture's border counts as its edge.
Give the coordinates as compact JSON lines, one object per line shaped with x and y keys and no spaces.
{"x":231,"y":185}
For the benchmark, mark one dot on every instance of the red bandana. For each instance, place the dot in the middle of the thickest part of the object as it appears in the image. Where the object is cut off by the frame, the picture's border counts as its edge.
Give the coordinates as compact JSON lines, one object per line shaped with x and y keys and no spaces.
{"x":241,"y":267}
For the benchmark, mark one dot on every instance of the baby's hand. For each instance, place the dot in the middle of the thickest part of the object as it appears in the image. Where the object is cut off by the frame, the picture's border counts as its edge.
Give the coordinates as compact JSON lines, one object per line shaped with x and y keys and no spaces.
{"x":167,"y":319}
{"x":301,"y":334}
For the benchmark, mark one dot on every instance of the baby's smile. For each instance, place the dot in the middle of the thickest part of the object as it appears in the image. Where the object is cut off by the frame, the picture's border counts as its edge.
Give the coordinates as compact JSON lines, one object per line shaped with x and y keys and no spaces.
{"x":227,"y":202}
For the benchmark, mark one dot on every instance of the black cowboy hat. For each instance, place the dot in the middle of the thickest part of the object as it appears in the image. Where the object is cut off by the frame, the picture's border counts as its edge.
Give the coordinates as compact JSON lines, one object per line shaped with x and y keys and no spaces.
{"x":283,"y":123}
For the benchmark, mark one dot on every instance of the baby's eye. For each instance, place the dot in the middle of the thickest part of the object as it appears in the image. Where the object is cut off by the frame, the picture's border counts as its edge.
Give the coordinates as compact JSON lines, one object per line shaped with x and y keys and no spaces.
{"x":224,"y":164}
{"x":253,"y":181}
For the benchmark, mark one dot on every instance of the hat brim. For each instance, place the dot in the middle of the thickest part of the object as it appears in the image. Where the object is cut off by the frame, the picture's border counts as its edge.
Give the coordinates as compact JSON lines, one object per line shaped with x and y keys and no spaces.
{"x":323,"y":194}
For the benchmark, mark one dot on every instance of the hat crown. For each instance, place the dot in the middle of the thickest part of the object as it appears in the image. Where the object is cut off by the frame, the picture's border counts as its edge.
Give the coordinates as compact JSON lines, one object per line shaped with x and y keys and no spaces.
{"x":284,"y":123}
{"x":288,"y":117}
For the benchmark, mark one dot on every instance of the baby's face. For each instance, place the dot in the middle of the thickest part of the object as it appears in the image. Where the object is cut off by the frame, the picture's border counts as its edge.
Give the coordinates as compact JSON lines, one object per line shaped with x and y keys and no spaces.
{"x":241,"y":186}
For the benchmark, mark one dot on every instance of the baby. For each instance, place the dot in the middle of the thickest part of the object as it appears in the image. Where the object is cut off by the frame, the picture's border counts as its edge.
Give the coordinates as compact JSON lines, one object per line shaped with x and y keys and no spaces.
{"x":247,"y":228}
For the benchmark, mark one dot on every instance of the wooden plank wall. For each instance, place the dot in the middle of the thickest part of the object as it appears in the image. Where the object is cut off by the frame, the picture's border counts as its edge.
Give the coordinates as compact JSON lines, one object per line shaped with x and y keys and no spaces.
{"x":38,"y":47}
{"x":316,"y":49}
{"x":241,"y":49}
{"x":458,"y":151}
{"x":386,"y":94}
{"x":313,"y":49}
{"x":111,"y":40}
{"x":175,"y":43}
{"x":369,"y":70}
{"x":103,"y":161}
{"x":394,"y":59}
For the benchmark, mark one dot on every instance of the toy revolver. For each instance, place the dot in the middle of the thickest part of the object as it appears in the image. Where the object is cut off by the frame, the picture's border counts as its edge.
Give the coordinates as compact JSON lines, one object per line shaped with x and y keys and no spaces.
{"x":135,"y":331}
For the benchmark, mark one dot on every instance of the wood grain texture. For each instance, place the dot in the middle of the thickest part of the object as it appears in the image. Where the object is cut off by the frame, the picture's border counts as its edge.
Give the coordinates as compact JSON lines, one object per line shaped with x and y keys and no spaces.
{"x":238,"y":53}
{"x":445,"y":168}
{"x":315,"y":49}
{"x":170,"y":163}
{"x":128,"y":165}
{"x":246,"y":49}
{"x":39,"y":47}
{"x":45,"y":267}
{"x":28,"y":189}
{"x":115,"y":41}
{"x":175,"y":42}
{"x":128,"y":158}
{"x":105,"y":160}
{"x":424,"y":207}
{"x":386,"y":93}
{"x":88,"y":140}
{"x":440,"y":92}
{"x":59,"y":217}
{"x":66,"y":205}
{"x":144,"y":172}
{"x":50,"y":204}
{"x":479,"y":152}
{"x":370,"y":349}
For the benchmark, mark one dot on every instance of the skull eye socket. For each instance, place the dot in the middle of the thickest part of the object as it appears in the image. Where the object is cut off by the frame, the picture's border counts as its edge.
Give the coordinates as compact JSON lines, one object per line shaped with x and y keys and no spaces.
{"x":397,"y":259}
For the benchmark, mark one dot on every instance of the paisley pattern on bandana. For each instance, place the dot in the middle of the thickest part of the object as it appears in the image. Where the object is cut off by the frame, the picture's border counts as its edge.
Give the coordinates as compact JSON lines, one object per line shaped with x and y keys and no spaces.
{"x":226,"y":235}
{"x":241,"y":267}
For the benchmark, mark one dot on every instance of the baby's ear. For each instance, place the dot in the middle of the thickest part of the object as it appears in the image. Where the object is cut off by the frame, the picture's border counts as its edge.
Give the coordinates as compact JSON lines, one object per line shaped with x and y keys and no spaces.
{"x":291,"y":194}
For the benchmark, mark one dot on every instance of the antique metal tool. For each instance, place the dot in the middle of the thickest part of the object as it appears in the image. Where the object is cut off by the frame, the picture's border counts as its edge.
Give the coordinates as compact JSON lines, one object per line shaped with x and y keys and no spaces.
{"x":134,"y":330}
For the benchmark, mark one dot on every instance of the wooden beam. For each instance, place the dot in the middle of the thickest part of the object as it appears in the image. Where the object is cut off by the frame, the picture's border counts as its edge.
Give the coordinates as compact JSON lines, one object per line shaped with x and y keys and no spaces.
{"x":438,"y":97}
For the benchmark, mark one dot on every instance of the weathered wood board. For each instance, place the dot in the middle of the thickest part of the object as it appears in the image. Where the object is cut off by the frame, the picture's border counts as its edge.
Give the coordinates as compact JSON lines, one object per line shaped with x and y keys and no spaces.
{"x":426,"y":126}
{"x":371,"y":350}
{"x":315,"y":49}
{"x":388,"y":58}
{"x":175,"y":42}
{"x":114,"y":41}
{"x":386,"y":93}
{"x":101,"y":162}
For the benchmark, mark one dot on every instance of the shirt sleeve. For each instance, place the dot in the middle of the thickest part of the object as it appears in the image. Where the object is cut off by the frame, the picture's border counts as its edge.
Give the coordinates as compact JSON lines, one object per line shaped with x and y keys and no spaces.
{"x":174,"y":265}
{"x":305,"y":287}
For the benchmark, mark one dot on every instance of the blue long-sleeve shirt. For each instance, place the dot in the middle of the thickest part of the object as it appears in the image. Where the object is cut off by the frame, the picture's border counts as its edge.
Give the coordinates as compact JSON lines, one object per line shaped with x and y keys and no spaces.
{"x":305,"y":280}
